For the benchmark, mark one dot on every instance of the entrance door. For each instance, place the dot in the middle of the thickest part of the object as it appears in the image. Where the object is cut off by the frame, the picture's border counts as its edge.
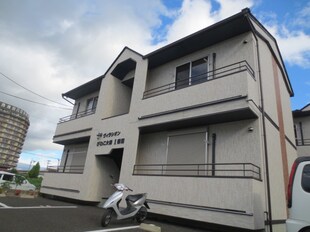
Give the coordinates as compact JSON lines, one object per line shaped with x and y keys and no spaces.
{"x":109,"y":169}
{"x":117,"y":157}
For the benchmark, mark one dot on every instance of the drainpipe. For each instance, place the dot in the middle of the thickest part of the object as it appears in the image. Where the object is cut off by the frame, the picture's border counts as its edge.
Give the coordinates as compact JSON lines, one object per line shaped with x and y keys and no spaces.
{"x":301,"y":134}
{"x":269,"y":213}
{"x":64,"y":97}
{"x":213,"y":153}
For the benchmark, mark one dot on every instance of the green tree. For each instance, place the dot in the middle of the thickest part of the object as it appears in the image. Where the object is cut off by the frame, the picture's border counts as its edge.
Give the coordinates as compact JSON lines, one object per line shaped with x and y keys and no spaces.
{"x":35,"y":170}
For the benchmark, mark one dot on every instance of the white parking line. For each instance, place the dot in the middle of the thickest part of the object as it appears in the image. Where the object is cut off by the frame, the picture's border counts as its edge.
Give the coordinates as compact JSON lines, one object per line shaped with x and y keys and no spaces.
{"x":116,"y":229}
{"x":3,"y":206}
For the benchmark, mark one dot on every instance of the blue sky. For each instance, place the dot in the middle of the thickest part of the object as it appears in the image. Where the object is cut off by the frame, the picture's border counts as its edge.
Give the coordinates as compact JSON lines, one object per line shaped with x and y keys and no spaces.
{"x":51,"y":47}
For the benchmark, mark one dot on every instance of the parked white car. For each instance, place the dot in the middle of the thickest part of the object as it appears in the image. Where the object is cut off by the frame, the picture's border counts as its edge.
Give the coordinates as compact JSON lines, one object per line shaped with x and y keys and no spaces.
{"x":10,"y":177}
{"x":299,"y":196}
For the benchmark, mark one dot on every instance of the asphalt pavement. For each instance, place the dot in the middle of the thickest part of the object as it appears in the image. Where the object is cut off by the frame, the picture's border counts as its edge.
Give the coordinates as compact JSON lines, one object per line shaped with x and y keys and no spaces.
{"x":48,"y":215}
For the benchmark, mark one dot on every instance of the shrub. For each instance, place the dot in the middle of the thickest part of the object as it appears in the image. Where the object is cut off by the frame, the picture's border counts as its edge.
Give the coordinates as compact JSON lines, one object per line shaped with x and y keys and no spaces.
{"x":5,"y":186}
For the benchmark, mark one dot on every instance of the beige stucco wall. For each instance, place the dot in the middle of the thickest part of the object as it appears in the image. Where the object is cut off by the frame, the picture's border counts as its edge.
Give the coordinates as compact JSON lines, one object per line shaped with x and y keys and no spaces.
{"x":235,"y":143}
{"x":277,"y":187}
{"x":268,"y":87}
{"x":278,"y":197}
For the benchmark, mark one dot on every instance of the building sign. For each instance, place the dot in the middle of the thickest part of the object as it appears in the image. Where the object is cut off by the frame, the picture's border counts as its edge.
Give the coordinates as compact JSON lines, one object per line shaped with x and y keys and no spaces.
{"x":110,"y":138}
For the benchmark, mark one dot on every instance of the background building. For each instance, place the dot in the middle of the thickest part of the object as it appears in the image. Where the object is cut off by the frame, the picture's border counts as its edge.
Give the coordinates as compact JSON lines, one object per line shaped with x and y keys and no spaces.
{"x":14,"y":123}
{"x":302,"y":130}
{"x":203,"y":125}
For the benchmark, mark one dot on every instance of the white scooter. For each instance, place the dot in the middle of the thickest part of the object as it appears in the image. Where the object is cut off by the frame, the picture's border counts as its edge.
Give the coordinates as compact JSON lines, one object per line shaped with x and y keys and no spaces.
{"x":136,"y":206}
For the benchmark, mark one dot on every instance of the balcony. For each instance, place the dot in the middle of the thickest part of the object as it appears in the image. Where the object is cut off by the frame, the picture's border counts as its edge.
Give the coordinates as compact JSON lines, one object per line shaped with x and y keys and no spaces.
{"x":73,"y":169}
{"x":229,"y":93}
{"x":74,"y":128}
{"x":220,"y":170}
{"x":303,"y":142}
{"x":229,"y":193}
{"x":77,"y":115}
{"x":204,"y":77}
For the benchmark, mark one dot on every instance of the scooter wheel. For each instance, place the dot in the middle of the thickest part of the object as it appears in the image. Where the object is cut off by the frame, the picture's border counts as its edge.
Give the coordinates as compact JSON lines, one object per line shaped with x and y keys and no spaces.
{"x":141,"y":215}
{"x":106,"y":217}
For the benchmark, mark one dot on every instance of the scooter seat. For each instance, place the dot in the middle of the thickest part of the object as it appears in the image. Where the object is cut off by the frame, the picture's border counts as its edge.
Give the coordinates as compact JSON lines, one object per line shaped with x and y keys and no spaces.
{"x":133,"y":198}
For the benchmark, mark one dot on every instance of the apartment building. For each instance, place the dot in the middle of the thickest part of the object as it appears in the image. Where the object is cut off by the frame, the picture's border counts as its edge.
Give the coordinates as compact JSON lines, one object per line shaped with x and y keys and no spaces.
{"x":203,"y":125}
{"x":14,"y":123}
{"x":302,"y":130}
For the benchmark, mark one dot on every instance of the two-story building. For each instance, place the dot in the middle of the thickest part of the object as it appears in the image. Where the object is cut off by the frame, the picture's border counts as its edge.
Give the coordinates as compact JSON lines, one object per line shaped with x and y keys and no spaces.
{"x":203,"y":125}
{"x":302,"y":130}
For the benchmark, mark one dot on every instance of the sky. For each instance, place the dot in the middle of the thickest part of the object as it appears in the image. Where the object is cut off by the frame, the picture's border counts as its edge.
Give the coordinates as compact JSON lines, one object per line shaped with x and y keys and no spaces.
{"x":50,"y":47}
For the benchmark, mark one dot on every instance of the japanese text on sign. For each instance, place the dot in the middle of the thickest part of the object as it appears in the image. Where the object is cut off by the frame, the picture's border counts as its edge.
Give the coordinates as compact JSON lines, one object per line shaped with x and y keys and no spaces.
{"x":109,"y":140}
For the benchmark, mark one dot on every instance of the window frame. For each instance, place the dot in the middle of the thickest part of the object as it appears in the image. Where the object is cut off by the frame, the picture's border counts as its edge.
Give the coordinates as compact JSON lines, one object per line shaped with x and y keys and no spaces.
{"x":190,"y":77}
{"x":91,"y":104}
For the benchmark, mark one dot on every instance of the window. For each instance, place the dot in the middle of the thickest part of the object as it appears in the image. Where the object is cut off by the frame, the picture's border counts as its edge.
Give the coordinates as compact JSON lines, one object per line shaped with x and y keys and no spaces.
{"x":305,"y":180}
{"x":187,"y":148}
{"x":7,"y":177}
{"x":91,"y":104}
{"x":182,"y":76}
{"x":184,"y":150}
{"x":192,"y":73}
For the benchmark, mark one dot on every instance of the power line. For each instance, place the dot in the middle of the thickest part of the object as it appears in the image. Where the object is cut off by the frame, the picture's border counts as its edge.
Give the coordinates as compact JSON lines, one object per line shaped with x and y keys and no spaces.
{"x":45,"y":156}
{"x":30,"y":90}
{"x":24,"y":99}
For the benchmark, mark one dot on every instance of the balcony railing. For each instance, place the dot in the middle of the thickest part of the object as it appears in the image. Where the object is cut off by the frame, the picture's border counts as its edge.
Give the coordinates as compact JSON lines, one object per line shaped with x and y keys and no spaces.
{"x":78,"y":169}
{"x":223,"y":170}
{"x":303,"y":142}
{"x":208,"y":76}
{"x":77,"y":115}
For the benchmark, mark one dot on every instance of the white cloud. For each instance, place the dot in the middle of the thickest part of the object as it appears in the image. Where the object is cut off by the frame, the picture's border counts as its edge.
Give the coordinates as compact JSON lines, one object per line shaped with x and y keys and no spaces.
{"x":303,"y":17}
{"x":195,"y":15}
{"x":294,"y":44}
{"x":230,"y":7}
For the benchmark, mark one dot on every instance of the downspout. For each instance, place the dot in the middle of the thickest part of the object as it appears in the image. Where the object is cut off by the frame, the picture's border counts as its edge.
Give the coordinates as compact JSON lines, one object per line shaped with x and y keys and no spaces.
{"x":64,"y":97}
{"x":301,"y":134}
{"x":269,"y":213}
{"x":213,"y":153}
